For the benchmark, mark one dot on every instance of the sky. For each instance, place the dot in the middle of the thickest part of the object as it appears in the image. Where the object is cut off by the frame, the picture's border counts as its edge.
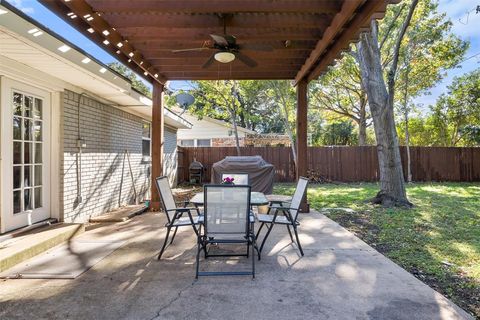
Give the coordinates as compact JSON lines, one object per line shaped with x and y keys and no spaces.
{"x":462,"y":13}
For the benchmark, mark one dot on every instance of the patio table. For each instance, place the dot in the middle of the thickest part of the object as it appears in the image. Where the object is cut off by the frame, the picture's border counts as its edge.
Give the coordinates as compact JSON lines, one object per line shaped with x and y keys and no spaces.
{"x":276,"y":198}
{"x":256,"y":199}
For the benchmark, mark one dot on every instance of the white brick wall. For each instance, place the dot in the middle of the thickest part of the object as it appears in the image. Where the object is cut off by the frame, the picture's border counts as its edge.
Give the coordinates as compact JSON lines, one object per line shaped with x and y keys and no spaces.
{"x":105,"y":177}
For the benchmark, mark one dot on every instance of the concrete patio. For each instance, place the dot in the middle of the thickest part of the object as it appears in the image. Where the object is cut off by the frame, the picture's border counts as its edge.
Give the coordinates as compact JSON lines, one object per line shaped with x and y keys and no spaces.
{"x":340,"y":277}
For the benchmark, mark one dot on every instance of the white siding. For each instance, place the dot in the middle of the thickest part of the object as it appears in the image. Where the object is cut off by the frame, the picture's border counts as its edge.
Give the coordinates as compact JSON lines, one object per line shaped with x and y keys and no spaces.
{"x":170,"y":159}
{"x":205,"y":129}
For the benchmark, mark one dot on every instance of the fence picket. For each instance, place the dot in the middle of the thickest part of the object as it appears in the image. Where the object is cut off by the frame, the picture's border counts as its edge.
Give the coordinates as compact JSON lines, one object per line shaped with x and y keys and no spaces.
{"x":346,"y":164}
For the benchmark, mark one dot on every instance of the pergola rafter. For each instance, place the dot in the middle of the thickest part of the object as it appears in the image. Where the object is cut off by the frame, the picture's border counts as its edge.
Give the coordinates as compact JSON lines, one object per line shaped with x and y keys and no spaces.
{"x":305,"y":37}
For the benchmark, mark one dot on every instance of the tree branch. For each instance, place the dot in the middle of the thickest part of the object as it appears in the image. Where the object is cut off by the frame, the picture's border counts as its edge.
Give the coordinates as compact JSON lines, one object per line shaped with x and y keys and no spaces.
{"x":390,"y":27}
{"x":396,"y":51}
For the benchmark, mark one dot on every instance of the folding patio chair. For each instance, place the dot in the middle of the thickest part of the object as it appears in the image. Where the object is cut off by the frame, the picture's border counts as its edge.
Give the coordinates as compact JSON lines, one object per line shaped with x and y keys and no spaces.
{"x":227,"y":220}
{"x":289,"y":217}
{"x":238,"y":178}
{"x":175,"y":214}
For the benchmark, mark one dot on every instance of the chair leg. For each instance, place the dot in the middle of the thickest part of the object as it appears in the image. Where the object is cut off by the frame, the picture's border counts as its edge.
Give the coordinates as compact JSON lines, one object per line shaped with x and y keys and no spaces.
{"x":298,"y":241}
{"x":259,"y":229}
{"x":258,"y":251}
{"x":253,"y":260}
{"x":198,"y":257}
{"x":266,"y":236}
{"x":290,"y":232}
{"x":174,"y":234}
{"x":197,"y":232}
{"x":164,"y":243}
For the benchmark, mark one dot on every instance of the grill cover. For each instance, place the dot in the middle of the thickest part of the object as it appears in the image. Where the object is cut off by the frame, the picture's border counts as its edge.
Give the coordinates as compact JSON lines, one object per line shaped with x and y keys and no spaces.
{"x":260,"y":173}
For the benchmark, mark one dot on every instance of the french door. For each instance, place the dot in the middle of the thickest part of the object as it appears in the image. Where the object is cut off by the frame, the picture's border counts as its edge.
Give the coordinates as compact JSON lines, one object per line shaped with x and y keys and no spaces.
{"x":25,"y":155}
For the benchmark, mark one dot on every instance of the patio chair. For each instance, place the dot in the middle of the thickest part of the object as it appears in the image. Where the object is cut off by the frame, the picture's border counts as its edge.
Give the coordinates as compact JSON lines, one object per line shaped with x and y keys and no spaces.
{"x":174,"y":213}
{"x":227,"y":221}
{"x":289,"y":217}
{"x":238,"y":178}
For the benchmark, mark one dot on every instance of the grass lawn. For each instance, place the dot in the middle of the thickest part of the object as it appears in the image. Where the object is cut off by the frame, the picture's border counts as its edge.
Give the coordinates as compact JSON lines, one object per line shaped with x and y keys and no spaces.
{"x":438,"y":240}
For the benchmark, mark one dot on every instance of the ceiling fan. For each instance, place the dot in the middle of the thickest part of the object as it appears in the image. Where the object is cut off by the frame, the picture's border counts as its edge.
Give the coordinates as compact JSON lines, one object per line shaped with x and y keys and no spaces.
{"x":227,"y":49}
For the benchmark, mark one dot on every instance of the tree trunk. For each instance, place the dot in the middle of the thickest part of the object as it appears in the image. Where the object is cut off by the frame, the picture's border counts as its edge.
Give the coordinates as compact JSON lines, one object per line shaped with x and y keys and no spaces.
{"x":233,"y":115}
{"x":407,"y":145}
{"x":290,"y":134}
{"x":362,"y":130}
{"x":235,"y":130}
{"x":392,"y":184}
{"x":362,"y":120}
{"x":406,"y":111}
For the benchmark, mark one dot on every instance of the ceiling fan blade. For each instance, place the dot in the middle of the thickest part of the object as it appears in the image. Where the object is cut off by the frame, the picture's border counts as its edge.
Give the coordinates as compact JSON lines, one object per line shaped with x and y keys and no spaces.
{"x":248,"y":61}
{"x":256,"y":47}
{"x":209,"y":61}
{"x":230,"y":39}
{"x":191,"y":49}
{"x":219,"y":39}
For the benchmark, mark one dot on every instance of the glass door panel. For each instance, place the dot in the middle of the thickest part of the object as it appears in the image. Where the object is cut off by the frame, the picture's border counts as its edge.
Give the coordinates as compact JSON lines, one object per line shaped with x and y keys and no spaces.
{"x":27,"y":152}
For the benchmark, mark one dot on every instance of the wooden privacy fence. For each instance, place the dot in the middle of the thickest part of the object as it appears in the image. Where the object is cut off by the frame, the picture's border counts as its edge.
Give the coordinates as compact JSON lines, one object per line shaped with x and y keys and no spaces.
{"x":346,"y":164}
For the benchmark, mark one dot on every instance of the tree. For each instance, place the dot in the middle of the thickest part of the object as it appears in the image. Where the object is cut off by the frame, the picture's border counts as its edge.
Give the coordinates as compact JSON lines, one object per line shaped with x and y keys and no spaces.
{"x":340,"y":92}
{"x":380,"y":98}
{"x":137,"y":83}
{"x":339,"y":134}
{"x":425,"y":52}
{"x":471,"y":134}
{"x":220,"y":99}
{"x":454,"y":113}
{"x":428,"y":50}
{"x":282,"y":96}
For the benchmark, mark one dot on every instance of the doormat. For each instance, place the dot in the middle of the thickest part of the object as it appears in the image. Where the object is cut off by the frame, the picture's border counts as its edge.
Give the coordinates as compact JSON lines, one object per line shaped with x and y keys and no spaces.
{"x":66,"y":261}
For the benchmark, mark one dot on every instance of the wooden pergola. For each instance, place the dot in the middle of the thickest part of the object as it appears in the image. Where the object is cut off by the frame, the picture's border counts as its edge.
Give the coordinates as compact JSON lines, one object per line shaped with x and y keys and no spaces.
{"x":303,"y":38}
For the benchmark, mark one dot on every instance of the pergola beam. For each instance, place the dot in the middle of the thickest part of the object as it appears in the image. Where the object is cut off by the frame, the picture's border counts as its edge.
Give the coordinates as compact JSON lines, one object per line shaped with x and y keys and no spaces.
{"x":342,"y":18}
{"x":238,"y":21}
{"x":302,"y":134}
{"x":153,"y":53}
{"x":220,"y":6}
{"x":359,"y":22}
{"x":203,"y":34}
{"x":82,"y":10}
{"x":199,"y":61}
{"x":201,"y":75}
{"x":277,"y":46}
{"x":157,"y":142}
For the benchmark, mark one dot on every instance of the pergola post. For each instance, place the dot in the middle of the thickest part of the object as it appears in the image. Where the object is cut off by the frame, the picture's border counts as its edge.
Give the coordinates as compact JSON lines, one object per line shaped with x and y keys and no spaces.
{"x":157,"y":142}
{"x":302,"y":160}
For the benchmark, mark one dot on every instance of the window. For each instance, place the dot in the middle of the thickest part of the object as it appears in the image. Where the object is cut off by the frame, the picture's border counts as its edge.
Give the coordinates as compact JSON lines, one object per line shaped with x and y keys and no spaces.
{"x":146,"y":140}
{"x":203,"y":142}
{"x":187,"y":143}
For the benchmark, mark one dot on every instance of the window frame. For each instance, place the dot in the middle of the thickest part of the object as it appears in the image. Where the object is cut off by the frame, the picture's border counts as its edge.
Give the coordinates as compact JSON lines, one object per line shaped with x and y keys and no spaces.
{"x":192,"y":140}
{"x":198,"y":145}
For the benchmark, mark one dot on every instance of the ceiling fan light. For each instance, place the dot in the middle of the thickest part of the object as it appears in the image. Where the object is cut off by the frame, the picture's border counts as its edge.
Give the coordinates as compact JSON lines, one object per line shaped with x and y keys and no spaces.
{"x":224,"y":57}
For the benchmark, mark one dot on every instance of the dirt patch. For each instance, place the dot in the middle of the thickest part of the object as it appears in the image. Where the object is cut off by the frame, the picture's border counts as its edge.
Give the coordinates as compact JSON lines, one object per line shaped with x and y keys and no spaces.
{"x":457,"y":287}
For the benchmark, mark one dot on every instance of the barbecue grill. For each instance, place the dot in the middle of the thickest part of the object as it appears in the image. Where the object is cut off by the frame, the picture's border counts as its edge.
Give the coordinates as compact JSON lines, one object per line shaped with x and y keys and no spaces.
{"x":196,"y":170}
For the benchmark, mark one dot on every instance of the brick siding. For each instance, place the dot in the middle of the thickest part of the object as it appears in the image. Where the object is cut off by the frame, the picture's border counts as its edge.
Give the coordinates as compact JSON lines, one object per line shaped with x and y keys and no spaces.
{"x":227,"y":142}
{"x":105,"y":175}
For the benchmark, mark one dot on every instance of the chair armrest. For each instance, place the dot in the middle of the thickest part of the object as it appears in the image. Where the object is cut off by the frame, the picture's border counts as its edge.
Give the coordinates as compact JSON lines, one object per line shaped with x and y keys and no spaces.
{"x":182,"y":209}
{"x":278,"y":201}
{"x":282,"y":208}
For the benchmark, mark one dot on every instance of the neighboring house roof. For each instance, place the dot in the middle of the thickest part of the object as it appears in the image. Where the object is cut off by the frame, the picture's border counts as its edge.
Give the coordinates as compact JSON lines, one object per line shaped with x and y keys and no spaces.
{"x":28,"y":42}
{"x":218,"y":122}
